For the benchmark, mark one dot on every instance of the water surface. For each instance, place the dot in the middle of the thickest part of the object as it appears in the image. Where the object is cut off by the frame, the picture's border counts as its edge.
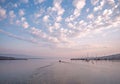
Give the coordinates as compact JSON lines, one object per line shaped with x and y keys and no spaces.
{"x":50,"y":71}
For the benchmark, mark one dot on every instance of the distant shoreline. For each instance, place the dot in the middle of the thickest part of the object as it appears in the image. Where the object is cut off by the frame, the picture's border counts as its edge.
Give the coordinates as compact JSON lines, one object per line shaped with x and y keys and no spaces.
{"x":110,"y":57}
{"x":11,"y":58}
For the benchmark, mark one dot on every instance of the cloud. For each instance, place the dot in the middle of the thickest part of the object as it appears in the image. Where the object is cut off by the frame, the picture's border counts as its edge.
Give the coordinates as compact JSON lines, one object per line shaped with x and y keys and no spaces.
{"x":37,"y":32}
{"x":57,"y":7}
{"x":12,"y":14}
{"x":78,"y":4}
{"x":99,"y":7}
{"x":107,"y":12}
{"x":70,"y":25}
{"x":24,"y":1}
{"x":15,"y":5}
{"x":38,"y":14}
{"x":94,"y":2}
{"x":56,"y":26}
{"x":46,"y":18}
{"x":38,"y":1}
{"x":58,"y":19}
{"x":98,"y":20}
{"x":22,"y":22}
{"x":23,"y":19}
{"x":25,"y":25}
{"x":43,"y":36}
{"x":54,"y":16}
{"x":21,"y":12}
{"x":18,"y":37}
{"x":87,"y":10}
{"x":90,"y":16}
{"x":111,"y":2}
{"x":115,"y":22}
{"x":2,"y":13}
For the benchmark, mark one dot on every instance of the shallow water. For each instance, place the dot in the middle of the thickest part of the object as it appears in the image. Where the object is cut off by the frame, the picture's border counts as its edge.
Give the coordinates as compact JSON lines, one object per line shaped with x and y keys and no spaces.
{"x":48,"y":71}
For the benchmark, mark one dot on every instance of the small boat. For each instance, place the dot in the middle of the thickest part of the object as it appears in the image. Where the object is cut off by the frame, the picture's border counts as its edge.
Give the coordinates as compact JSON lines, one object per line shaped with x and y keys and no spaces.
{"x":59,"y":60}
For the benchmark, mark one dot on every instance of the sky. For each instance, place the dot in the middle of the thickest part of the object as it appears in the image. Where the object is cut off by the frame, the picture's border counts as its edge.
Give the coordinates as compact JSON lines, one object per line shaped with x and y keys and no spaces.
{"x":66,"y":28}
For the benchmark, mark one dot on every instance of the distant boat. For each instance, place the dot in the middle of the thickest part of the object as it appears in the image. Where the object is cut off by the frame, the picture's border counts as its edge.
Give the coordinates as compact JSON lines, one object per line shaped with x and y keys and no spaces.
{"x":59,"y":60}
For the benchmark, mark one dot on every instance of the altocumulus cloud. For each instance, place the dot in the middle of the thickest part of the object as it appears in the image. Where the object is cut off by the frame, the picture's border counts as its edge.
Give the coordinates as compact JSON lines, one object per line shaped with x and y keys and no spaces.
{"x":51,"y":23}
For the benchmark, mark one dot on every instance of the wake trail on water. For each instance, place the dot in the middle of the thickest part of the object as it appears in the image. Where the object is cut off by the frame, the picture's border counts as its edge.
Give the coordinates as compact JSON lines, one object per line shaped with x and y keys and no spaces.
{"x":39,"y":72}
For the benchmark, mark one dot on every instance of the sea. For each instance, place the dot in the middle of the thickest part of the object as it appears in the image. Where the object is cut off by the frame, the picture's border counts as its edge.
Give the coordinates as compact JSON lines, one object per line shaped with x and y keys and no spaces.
{"x":51,"y":71}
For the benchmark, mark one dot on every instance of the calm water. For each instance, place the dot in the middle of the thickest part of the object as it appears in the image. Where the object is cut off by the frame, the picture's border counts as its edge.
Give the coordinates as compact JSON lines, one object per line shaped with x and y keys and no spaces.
{"x":47,"y":71}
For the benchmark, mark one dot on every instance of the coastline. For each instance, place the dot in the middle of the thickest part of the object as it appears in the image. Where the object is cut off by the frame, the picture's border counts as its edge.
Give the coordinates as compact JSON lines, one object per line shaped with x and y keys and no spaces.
{"x":11,"y":58}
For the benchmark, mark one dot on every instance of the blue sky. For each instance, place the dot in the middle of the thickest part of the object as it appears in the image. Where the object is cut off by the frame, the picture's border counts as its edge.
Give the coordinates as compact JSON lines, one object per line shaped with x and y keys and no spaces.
{"x":60,"y":27}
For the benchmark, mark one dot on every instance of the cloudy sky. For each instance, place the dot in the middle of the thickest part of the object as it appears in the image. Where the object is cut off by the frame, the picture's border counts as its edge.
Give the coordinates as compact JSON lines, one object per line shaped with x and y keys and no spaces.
{"x":60,"y":27}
